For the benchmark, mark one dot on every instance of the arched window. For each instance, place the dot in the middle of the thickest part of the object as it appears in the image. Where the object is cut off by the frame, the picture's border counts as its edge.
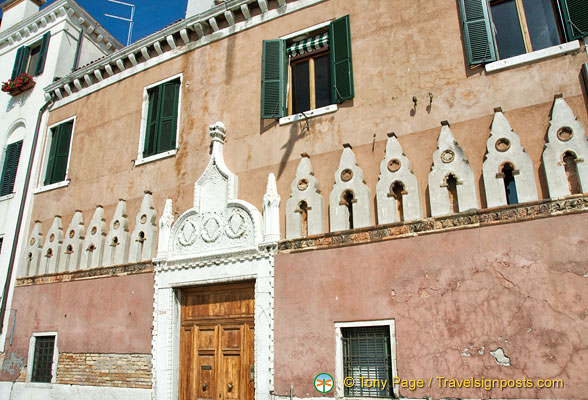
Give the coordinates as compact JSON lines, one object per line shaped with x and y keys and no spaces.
{"x":569,"y":161}
{"x":510,"y":186}
{"x":347,"y":201}
{"x":451,"y":182}
{"x":396,"y":191}
{"x":303,"y":210}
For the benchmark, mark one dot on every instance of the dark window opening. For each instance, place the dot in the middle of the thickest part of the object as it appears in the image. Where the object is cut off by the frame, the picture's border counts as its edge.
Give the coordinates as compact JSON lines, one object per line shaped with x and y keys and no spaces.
{"x":300,"y":87}
{"x":35,"y":54}
{"x":451,"y":182}
{"x":10,"y":168}
{"x":58,"y":153}
{"x":43,"y":359}
{"x":162,"y":117}
{"x":397,"y":191}
{"x":303,"y":207}
{"x":311,"y":82}
{"x":510,"y":186}
{"x":571,"y":169}
{"x":367,"y":353}
{"x":348,"y":202}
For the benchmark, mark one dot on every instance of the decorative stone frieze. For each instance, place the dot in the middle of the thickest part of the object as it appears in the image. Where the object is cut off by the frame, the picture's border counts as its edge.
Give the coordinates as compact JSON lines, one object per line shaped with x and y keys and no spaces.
{"x":31,"y":259}
{"x":116,"y":249}
{"x":504,"y":147}
{"x":93,"y":248}
{"x":397,"y":190}
{"x":72,"y":248}
{"x":565,"y":153}
{"x":51,"y":252}
{"x":144,"y":236}
{"x":305,"y":208}
{"x":350,"y":199}
{"x":451,"y":176}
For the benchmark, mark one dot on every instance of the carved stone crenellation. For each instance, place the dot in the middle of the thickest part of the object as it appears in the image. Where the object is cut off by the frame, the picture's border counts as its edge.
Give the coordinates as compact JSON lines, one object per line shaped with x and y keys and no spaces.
{"x":116,"y":249}
{"x":71,"y":250}
{"x":52,"y":248}
{"x":93,"y":248}
{"x":144,"y":236}
{"x":31,"y":259}
{"x":305,"y":209}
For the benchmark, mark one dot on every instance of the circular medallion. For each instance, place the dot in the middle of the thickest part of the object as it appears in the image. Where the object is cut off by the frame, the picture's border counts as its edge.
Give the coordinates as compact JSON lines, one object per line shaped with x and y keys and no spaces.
{"x":143,"y":218}
{"x":52,"y":237}
{"x":564,"y":134}
{"x":33,"y":241}
{"x":502,"y":145}
{"x":394,"y":165}
{"x":188,"y":233}
{"x":236,"y":226}
{"x":346,"y":175}
{"x":72,"y":233}
{"x":211,"y":228}
{"x":302,"y":185}
{"x":447,"y":156}
{"x":116,"y":224}
{"x":94,"y":230}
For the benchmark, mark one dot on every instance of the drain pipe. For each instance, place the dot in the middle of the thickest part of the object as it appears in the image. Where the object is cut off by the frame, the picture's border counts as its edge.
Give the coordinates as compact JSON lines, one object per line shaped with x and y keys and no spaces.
{"x":20,"y":214}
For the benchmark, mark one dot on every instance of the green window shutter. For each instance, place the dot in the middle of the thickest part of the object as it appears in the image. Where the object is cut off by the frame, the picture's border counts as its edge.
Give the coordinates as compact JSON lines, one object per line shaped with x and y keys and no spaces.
{"x":59,"y":153}
{"x":477,"y":31}
{"x":274,"y":76}
{"x":43,"y":54}
{"x":152,"y":122}
{"x":22,"y":55}
{"x":10,"y":168}
{"x":341,"y":64}
{"x":575,"y":17}
{"x":168,"y":115}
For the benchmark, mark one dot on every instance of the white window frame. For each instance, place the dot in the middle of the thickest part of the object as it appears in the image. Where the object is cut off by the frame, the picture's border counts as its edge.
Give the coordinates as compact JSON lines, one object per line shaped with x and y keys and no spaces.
{"x":48,"y":138}
{"x":31,"y":359}
{"x":339,"y":378}
{"x":316,"y":111}
{"x":144,"y":113}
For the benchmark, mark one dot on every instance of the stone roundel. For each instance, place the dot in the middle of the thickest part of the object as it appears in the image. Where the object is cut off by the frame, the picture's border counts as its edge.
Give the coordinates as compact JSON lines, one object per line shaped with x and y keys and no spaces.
{"x":72,"y":233}
{"x":143,"y":218}
{"x":188,"y":233}
{"x":302,"y":185}
{"x":502,"y":145}
{"x":211,"y":228}
{"x":447,"y":156}
{"x":346,"y":175}
{"x":564,"y":134}
{"x":394,"y":165}
{"x":52,"y":237}
{"x":116,"y":224}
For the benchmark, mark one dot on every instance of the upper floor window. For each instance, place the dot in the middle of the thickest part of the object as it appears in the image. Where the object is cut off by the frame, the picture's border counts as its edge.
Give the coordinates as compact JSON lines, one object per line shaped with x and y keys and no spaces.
{"x":500,"y":29}
{"x":307,"y":70}
{"x":59,"y":149}
{"x":162,"y":118}
{"x":31,"y":59}
{"x":10,"y":167}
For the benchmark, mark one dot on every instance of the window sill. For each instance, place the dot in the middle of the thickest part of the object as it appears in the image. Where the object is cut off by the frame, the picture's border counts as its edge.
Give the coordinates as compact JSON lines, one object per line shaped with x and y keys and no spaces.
{"x":39,"y":385}
{"x":155,"y":157}
{"x":53,"y":186}
{"x":527,"y":58}
{"x":7,"y":196}
{"x":308,"y":114}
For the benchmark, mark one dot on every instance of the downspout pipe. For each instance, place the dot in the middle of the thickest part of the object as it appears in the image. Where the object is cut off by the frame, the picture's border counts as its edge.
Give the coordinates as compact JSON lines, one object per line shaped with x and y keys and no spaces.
{"x":78,"y":51}
{"x":23,"y":201}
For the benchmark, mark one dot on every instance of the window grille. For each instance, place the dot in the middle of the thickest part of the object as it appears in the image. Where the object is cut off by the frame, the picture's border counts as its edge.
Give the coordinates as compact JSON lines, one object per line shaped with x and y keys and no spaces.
{"x":43,"y":360}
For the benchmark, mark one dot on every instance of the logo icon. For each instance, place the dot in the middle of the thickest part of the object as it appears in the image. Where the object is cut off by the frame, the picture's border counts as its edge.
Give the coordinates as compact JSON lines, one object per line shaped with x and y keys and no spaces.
{"x":323,"y":383}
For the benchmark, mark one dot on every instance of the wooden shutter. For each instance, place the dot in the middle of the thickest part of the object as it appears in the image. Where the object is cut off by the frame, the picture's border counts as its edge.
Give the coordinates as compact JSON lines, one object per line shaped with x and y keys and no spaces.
{"x":477,"y":31}
{"x":152,"y":122}
{"x":575,"y":17}
{"x":274,"y":73}
{"x":59,"y":153}
{"x":341,"y":65}
{"x":168,"y":115}
{"x":43,"y":54}
{"x":10,"y":168}
{"x":22,"y":56}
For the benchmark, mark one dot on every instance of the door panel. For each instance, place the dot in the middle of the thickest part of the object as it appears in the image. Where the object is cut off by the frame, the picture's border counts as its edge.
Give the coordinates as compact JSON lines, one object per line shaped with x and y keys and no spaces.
{"x":216,"y":343}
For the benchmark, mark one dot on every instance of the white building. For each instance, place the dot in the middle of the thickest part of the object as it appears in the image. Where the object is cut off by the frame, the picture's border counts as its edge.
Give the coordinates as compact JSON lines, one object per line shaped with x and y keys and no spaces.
{"x":46,"y":44}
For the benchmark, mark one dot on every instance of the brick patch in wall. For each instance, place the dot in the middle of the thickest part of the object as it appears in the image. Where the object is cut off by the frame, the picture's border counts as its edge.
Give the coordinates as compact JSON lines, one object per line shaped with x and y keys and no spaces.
{"x":114,"y":370}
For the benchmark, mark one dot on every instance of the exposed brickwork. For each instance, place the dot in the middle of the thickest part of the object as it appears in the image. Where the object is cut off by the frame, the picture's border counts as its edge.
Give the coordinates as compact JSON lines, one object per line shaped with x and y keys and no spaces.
{"x":116,"y":370}
{"x":465,"y":220}
{"x":102,"y":272}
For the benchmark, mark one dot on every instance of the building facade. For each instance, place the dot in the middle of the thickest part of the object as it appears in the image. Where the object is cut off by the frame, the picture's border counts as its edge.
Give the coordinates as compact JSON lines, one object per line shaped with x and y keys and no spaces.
{"x":393,"y":192}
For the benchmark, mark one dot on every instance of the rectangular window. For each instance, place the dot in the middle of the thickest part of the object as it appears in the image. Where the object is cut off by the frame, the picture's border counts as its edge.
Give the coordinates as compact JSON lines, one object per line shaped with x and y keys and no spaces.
{"x":31,"y":59}
{"x":43,"y":359}
{"x":162,"y":116}
{"x":308,"y":71}
{"x":10,"y":167}
{"x":57,"y":160}
{"x":367,"y":354}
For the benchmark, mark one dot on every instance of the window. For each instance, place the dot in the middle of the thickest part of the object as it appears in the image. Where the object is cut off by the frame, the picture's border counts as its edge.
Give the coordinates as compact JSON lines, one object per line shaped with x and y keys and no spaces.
{"x":1,"y":243}
{"x":59,"y":146}
{"x":366,"y":350}
{"x":310,"y":70}
{"x":31,"y":59}
{"x":506,"y":28}
{"x":42,"y":363}
{"x":162,"y":118}
{"x":10,"y":167}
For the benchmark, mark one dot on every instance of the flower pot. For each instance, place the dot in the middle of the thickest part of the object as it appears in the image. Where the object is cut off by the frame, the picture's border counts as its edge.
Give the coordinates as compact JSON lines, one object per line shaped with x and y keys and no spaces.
{"x":15,"y":91}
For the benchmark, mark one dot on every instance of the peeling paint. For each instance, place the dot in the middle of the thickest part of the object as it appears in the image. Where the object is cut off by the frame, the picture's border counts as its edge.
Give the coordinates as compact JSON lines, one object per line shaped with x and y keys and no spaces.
{"x":500,"y":357}
{"x":465,"y":353}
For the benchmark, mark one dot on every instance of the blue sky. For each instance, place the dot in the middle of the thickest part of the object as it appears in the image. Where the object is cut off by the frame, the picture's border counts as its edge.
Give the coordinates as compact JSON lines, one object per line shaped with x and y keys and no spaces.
{"x":150,"y":15}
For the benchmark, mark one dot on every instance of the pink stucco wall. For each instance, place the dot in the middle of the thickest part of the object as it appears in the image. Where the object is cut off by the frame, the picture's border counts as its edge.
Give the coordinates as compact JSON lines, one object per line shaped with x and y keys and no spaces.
{"x":455,"y":296}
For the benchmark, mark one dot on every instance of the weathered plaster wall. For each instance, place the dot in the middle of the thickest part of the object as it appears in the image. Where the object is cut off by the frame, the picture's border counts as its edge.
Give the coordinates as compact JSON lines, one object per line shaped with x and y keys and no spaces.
{"x":455,"y":296}
{"x":397,"y":54}
{"x":107,"y":315}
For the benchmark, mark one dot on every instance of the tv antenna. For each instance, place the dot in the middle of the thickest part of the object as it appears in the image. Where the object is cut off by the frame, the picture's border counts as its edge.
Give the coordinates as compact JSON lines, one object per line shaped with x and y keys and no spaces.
{"x":129,"y":20}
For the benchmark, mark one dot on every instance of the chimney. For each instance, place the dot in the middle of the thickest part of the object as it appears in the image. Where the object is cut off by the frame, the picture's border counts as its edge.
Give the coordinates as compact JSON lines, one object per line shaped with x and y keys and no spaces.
{"x":15,"y":11}
{"x":196,"y":7}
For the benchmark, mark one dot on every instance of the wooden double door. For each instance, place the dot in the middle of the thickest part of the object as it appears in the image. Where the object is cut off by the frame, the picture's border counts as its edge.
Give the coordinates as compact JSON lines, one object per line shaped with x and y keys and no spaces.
{"x":216,"y":343}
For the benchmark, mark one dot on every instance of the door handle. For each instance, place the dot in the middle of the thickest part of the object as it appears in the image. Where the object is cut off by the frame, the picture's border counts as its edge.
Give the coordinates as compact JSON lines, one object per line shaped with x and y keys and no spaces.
{"x":204,"y":386}
{"x":230,"y":386}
